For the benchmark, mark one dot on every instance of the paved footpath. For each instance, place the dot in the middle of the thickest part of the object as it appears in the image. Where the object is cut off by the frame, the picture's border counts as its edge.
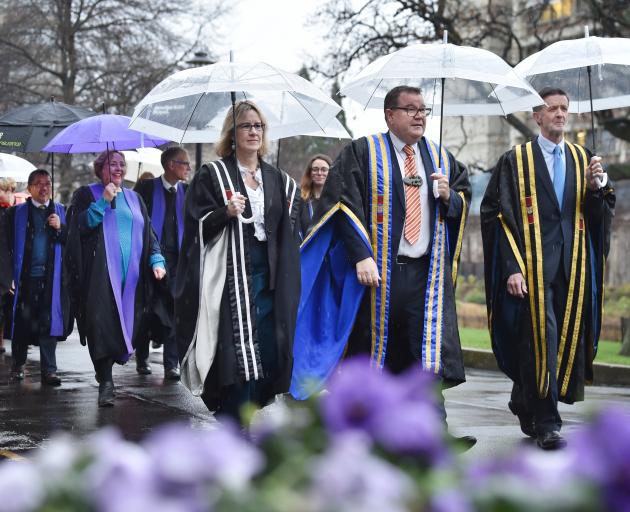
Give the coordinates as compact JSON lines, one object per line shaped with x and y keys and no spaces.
{"x":30,"y":413}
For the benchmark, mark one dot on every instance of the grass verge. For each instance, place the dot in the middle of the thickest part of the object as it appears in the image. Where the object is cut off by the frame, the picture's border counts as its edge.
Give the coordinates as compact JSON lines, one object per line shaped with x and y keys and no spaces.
{"x":608,"y":351}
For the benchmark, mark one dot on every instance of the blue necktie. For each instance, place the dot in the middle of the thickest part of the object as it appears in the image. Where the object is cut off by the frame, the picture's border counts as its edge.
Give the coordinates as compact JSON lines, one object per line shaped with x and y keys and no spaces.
{"x":558,"y":174}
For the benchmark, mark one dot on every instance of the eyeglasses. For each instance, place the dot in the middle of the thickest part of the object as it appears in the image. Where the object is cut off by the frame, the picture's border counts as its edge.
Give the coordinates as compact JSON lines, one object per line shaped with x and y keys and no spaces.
{"x":321,"y":170}
{"x":414,"y":111}
{"x":181,"y":162}
{"x":246,"y":127}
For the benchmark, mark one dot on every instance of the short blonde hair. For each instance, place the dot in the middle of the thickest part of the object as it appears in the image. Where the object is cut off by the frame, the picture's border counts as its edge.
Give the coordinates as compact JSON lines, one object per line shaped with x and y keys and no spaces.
{"x":7,"y":184}
{"x":224,"y":146}
{"x":100,"y":160}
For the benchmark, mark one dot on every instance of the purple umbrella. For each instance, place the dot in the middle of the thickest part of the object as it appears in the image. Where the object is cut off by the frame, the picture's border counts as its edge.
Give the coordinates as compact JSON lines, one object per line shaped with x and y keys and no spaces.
{"x":100,"y":133}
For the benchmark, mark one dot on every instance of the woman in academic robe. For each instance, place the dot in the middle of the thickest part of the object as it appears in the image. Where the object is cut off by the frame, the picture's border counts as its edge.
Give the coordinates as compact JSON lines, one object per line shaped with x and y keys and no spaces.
{"x":313,"y":181}
{"x":112,"y":259}
{"x":238,"y":279}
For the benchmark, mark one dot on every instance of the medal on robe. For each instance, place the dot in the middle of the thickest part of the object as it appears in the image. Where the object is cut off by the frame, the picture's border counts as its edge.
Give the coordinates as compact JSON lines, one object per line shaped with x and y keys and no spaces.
{"x":413,"y":181}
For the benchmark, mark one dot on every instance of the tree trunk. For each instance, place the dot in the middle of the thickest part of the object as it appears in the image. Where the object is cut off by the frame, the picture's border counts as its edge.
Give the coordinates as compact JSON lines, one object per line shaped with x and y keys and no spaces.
{"x":625,"y":337}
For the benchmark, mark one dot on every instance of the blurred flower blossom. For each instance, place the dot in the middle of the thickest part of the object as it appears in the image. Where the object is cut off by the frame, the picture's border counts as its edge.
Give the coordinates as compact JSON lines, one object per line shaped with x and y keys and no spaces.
{"x":21,"y":486}
{"x":349,"y":478}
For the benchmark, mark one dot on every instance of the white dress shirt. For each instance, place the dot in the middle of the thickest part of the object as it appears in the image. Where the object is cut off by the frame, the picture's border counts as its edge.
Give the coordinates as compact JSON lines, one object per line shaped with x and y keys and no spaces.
{"x":421,"y":247}
{"x":256,"y":202}
{"x":167,"y":186}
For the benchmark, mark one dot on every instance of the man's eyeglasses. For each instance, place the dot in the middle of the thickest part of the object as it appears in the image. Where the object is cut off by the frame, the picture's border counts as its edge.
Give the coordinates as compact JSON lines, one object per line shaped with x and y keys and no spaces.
{"x":246,"y":127}
{"x":414,"y":111}
{"x":182,"y":162}
{"x":319,"y":170}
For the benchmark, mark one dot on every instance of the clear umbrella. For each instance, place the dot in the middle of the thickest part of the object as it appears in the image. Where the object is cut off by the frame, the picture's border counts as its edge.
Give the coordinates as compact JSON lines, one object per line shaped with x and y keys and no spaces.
{"x":593,"y":71}
{"x":191,"y":105}
{"x":457,"y":80}
{"x":12,"y":166}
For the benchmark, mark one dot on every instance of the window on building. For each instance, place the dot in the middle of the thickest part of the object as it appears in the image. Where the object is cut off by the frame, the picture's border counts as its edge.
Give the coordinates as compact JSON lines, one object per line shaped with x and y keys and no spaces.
{"x":557,"y":9}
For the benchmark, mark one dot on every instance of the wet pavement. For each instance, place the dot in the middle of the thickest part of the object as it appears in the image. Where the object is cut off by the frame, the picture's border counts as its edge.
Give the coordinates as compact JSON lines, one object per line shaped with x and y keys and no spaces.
{"x":30,"y":413}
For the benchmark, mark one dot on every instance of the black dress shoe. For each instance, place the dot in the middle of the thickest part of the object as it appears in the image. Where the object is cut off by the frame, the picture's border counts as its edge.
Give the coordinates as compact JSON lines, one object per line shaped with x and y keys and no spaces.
{"x":143,"y":369}
{"x":526,"y":421}
{"x":2,"y":350}
{"x":171,"y":374}
{"x":106,"y":394}
{"x":17,"y":373}
{"x":51,"y":379}
{"x":551,"y":440}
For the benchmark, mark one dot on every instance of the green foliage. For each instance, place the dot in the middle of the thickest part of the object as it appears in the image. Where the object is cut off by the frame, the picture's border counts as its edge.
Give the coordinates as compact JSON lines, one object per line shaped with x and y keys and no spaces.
{"x":470,"y":289}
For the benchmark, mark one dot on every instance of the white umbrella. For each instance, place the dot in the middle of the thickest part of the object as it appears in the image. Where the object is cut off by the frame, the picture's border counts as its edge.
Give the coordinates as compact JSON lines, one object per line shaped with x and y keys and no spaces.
{"x":191,"y":105}
{"x":12,"y":166}
{"x":593,"y":71}
{"x":459,"y":80}
{"x":141,"y":160}
{"x":334,"y":130}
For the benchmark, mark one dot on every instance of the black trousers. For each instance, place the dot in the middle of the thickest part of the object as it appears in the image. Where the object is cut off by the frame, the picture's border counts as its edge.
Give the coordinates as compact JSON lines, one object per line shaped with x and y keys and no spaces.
{"x":543,"y":412}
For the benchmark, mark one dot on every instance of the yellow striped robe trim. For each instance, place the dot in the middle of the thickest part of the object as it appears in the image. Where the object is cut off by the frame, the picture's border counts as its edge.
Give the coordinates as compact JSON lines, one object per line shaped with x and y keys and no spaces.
{"x":579,"y":251}
{"x":513,"y":246}
{"x":337,"y":207}
{"x":460,"y":238}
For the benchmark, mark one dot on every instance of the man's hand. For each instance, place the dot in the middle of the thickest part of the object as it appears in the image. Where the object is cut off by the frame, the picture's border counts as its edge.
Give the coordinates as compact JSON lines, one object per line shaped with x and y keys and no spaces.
{"x":54,"y":221}
{"x":594,"y":173}
{"x":367,"y":272}
{"x":516,"y":285}
{"x":159,"y":273}
{"x":443,"y":187}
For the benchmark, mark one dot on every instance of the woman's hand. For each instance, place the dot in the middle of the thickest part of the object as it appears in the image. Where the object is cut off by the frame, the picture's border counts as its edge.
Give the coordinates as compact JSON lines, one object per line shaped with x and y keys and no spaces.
{"x":159,"y":273}
{"x":109,"y":192}
{"x":236,"y":204}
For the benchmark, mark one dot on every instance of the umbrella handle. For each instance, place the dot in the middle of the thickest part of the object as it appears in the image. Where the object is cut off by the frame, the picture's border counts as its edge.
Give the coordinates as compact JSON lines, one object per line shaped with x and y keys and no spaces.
{"x":244,"y":220}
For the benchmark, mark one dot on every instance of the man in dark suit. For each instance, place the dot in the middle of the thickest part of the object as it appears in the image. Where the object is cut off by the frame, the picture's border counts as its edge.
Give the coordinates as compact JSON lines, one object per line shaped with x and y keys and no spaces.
{"x":33,"y":236}
{"x":546,"y":224}
{"x":400,"y":219}
{"x":164,"y":198}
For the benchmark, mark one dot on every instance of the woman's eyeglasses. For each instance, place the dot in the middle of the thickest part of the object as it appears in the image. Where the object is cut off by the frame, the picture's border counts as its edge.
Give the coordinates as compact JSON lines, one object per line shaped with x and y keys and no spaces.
{"x":246,"y":127}
{"x":319,"y":170}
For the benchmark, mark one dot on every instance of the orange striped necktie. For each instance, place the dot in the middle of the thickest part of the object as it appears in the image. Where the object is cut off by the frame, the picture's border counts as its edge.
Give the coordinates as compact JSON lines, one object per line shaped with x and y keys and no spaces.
{"x":413,"y":213}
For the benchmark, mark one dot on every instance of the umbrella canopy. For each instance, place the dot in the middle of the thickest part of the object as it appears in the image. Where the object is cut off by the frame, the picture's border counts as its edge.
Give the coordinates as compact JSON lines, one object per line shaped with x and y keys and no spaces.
{"x":462,"y":79}
{"x":12,"y":166}
{"x":567,"y":64}
{"x":334,"y":130}
{"x":29,"y":128}
{"x":141,"y":160}
{"x":98,"y":133}
{"x":191,"y":105}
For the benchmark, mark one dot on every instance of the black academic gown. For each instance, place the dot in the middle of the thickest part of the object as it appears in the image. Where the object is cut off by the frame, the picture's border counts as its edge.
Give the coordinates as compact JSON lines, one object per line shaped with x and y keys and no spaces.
{"x":92,"y":298}
{"x":206,"y":209}
{"x":22,"y":324}
{"x":538,"y":249}
{"x":347,"y":184}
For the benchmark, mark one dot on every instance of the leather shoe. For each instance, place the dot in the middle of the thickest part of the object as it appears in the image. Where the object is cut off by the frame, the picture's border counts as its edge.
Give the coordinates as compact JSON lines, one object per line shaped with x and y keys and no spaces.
{"x":51,"y":379}
{"x":171,"y":374}
{"x":106,"y":394}
{"x":143,"y":368}
{"x":17,"y":373}
{"x":526,"y":422}
{"x":551,"y":440}
{"x":2,"y":349}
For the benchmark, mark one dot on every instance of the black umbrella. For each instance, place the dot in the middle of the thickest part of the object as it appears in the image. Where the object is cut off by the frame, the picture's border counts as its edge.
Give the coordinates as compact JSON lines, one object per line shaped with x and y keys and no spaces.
{"x":29,"y":128}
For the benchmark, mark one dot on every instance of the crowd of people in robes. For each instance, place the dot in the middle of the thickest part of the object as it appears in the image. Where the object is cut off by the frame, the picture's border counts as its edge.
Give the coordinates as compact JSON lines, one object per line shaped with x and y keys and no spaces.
{"x":256,"y":287}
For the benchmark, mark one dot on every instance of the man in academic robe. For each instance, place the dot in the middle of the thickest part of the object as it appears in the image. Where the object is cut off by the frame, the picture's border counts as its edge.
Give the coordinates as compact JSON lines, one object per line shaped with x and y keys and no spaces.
{"x":164,"y":199}
{"x":546,"y":218}
{"x":396,"y":235}
{"x":34,"y":235}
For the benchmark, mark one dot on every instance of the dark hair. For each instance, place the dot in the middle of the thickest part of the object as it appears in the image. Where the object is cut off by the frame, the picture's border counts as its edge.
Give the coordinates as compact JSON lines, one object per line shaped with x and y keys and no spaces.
{"x":391,"y":98}
{"x":35,"y":173}
{"x":306,"y":186}
{"x":549,"y":91}
{"x":171,"y":153}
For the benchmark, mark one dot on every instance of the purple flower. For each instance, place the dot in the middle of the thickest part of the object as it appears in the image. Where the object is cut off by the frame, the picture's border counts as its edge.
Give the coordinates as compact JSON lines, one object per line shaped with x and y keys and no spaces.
{"x":602,"y":455}
{"x":349,"y":478}
{"x":21,"y":486}
{"x":399,"y":413}
{"x":451,"y":500}
{"x":181,"y":456}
